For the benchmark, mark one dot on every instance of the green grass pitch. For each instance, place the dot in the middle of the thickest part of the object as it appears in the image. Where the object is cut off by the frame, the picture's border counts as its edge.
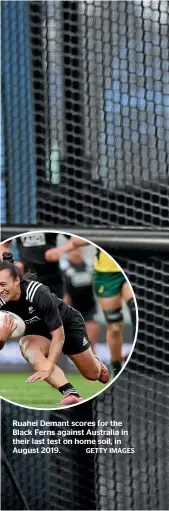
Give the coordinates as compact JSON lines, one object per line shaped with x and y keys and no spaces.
{"x":40,"y":394}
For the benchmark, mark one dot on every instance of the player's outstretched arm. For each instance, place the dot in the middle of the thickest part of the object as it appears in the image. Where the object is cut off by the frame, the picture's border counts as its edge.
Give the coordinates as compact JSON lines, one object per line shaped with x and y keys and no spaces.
{"x":53,"y":254}
{"x":44,"y":300}
{"x":78,"y":242}
{"x":42,"y":374}
{"x":56,"y":345}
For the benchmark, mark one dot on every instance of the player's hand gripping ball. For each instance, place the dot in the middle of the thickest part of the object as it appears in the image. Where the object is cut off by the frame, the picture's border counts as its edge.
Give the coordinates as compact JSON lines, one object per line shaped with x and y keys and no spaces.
{"x":12,"y":325}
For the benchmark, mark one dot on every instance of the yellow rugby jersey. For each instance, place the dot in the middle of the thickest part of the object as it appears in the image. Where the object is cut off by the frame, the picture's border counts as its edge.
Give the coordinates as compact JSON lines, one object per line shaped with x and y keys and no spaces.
{"x":104,"y":263}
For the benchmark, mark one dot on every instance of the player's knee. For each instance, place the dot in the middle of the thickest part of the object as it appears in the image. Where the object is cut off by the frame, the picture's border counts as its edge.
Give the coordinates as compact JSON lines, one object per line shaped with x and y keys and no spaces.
{"x":113,"y":316}
{"x":95,"y":373}
{"x":22,"y":343}
{"x":28,"y":352}
{"x":115,"y":329}
{"x":114,"y":319}
{"x":92,"y":374}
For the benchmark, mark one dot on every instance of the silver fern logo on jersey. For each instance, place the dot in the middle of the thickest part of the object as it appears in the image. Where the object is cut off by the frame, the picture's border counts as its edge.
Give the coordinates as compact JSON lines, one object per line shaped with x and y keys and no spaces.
{"x":31,"y":309}
{"x":32,"y":320}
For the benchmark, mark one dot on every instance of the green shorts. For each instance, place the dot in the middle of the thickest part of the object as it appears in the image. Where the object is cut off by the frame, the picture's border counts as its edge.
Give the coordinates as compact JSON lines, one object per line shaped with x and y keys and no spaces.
{"x":107,"y":284}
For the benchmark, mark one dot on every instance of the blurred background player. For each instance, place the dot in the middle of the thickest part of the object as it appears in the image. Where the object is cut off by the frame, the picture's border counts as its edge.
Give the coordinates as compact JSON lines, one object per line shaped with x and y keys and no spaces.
{"x":78,"y":291}
{"x":29,"y":254}
{"x":111,"y":287}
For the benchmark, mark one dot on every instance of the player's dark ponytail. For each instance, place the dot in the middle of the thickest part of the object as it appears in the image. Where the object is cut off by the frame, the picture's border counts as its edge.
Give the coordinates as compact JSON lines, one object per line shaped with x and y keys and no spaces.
{"x":8,"y":256}
{"x":30,"y":276}
{"x":8,"y":263}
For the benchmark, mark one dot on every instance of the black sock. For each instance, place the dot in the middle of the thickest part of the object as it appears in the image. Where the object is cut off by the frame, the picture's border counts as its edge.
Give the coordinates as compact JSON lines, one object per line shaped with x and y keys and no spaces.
{"x":68,"y":389}
{"x":116,"y":366}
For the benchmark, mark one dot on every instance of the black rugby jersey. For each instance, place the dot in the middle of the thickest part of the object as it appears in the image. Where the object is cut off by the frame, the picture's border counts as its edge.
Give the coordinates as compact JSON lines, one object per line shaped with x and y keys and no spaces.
{"x":78,"y":283}
{"x":38,"y":307}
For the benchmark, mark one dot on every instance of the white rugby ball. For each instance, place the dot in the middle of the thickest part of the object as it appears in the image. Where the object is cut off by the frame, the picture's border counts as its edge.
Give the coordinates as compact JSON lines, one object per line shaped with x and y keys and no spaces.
{"x":20,"y":324}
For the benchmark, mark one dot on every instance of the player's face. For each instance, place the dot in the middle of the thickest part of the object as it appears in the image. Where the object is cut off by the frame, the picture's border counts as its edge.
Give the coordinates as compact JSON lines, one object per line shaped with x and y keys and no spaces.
{"x":9,"y":287}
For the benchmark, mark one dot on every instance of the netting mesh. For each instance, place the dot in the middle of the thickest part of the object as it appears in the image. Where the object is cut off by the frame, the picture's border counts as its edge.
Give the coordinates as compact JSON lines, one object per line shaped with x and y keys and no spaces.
{"x":139,"y":398}
{"x":85,"y":119}
{"x":87,"y":84}
{"x":45,"y":481}
{"x":31,"y":471}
